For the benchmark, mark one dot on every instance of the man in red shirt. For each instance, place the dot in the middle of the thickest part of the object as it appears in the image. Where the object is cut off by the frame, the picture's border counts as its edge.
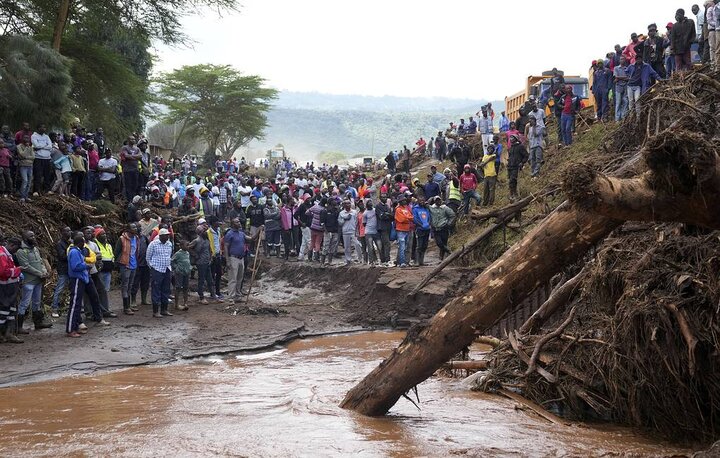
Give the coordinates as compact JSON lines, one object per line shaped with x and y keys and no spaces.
{"x":468,"y":183}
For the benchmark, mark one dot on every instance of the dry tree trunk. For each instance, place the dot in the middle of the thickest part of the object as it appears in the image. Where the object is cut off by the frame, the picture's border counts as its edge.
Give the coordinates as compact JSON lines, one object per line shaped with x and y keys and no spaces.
{"x":564,"y":236}
{"x":60,"y":23}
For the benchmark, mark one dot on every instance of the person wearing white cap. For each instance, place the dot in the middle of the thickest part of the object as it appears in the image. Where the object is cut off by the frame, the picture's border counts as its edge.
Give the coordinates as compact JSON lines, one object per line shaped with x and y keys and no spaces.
{"x":159,"y":254}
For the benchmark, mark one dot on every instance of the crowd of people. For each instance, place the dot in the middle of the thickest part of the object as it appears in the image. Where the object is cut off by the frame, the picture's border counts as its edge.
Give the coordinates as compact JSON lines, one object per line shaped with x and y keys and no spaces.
{"x":211,"y":225}
{"x":183,"y":223}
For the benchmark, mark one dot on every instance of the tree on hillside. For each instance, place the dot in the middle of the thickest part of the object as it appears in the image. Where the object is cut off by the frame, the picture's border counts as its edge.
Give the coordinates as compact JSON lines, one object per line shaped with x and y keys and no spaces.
{"x":217,"y":103}
{"x":34,"y":82}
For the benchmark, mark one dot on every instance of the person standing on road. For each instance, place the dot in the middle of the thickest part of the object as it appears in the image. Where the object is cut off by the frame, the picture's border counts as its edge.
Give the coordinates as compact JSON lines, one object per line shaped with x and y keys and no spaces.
{"x":421,"y":219}
{"x":79,"y":279}
{"x":403,"y":221}
{"x":180,"y":264}
{"x":159,"y":254}
{"x":61,"y":267}
{"x":234,"y":249}
{"x":384,"y":226}
{"x":329,"y":220}
{"x":348,"y":221}
{"x":442,"y":219}
{"x":10,"y":275}
{"x":126,"y":255}
{"x":35,"y":270}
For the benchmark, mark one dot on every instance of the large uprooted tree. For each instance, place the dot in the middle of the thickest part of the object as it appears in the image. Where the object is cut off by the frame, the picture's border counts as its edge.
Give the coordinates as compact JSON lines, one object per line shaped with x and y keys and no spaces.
{"x":216,"y":103}
{"x":642,"y":344}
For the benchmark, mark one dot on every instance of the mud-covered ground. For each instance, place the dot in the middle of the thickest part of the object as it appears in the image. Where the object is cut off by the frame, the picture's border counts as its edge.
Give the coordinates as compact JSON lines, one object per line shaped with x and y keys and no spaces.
{"x":289,"y":300}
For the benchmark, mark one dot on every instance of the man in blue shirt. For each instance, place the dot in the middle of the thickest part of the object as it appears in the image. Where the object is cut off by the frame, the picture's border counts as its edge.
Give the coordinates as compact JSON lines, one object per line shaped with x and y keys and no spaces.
{"x":79,"y":278}
{"x":234,"y":251}
{"x":639,"y":81}
{"x":431,"y":188}
{"x":601,"y":89}
{"x":621,"y":95}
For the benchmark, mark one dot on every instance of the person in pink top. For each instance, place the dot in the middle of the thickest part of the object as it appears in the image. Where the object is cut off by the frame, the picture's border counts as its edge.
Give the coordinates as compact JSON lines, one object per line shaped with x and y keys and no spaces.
{"x":513,"y":131}
{"x":6,"y":184}
{"x":629,"y":52}
{"x":468,"y":184}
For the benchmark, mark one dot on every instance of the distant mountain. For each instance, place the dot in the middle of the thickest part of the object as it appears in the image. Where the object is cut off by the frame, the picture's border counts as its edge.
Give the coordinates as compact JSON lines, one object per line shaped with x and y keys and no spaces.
{"x":310,"y":123}
{"x":318,"y":101}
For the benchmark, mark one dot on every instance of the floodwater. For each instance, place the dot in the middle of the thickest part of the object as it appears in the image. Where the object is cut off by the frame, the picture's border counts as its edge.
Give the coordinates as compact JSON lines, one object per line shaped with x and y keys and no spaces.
{"x":282,"y":403}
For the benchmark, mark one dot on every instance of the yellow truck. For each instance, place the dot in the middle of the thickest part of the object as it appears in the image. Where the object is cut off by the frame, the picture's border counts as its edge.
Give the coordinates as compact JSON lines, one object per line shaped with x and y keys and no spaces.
{"x":536,"y":84}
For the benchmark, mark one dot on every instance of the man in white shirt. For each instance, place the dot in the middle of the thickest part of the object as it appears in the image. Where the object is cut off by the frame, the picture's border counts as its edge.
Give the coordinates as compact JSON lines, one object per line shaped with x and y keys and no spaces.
{"x":107,"y":167}
{"x":244,"y":191}
{"x":43,"y":170}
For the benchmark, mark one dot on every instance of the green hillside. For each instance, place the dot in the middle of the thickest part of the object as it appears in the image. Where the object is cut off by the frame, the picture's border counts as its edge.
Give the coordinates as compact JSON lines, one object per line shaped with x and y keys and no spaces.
{"x":306,"y":132}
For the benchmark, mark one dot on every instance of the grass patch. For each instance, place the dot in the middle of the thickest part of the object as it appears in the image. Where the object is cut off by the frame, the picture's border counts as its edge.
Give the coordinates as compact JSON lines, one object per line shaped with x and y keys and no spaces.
{"x":587,"y":142}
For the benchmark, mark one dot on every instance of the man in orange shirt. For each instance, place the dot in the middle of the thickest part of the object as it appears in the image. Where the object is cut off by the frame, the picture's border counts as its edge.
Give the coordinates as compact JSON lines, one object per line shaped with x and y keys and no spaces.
{"x":403,"y":221}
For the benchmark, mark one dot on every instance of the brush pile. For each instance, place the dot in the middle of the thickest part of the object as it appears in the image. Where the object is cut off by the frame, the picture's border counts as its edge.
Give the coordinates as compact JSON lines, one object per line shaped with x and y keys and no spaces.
{"x":638,"y":338}
{"x":47,"y":215}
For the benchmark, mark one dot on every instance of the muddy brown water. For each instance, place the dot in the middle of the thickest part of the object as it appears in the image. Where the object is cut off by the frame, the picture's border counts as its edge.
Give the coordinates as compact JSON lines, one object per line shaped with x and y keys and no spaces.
{"x":283,"y":403}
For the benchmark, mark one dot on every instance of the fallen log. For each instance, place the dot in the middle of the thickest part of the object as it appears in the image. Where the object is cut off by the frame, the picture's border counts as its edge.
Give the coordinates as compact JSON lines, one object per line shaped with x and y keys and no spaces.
{"x":488,"y":340}
{"x":564,"y":236}
{"x":557,"y":299}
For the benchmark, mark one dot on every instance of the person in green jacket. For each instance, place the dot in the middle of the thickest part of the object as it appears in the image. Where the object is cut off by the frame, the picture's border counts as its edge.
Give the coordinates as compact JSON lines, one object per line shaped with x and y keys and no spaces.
{"x":180,"y":263}
{"x":35,"y":270}
{"x":441,"y":219}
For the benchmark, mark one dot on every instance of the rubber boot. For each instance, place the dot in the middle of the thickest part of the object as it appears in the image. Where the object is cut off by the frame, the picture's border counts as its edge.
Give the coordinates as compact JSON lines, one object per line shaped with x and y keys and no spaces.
{"x":19,"y":325}
{"x":127,"y":309}
{"x":40,"y":321}
{"x":421,"y":259}
{"x":144,"y":298}
{"x":322,"y":260}
{"x":9,"y":335}
{"x":133,"y":306}
{"x":177,"y":301}
{"x":310,"y":255}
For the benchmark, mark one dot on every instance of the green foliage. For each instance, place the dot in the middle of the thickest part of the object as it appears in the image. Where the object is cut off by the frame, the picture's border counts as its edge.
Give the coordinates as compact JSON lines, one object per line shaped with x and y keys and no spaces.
{"x":217,"y":103}
{"x":34,"y":82}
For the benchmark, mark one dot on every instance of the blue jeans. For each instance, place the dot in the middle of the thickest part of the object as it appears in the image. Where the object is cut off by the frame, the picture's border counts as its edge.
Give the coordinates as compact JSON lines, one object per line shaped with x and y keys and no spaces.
{"x":106,"y":278}
{"x":30,"y":292}
{"x":634,"y":93}
{"x":621,"y":102}
{"x":472,"y":194}
{"x":62,"y":283}
{"x":566,"y":122}
{"x":402,"y":242}
{"x":26,"y":175}
{"x":160,"y":289}
{"x":602,"y":104}
{"x":89,"y":185}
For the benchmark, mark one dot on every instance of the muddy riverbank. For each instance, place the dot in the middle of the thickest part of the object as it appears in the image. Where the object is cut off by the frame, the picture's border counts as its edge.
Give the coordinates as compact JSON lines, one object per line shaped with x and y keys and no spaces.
{"x":289,"y":301}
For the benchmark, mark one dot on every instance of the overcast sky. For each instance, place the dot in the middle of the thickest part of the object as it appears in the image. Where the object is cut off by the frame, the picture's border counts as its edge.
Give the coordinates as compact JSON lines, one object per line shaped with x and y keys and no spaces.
{"x":476,"y":49}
